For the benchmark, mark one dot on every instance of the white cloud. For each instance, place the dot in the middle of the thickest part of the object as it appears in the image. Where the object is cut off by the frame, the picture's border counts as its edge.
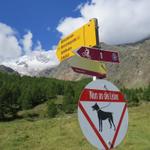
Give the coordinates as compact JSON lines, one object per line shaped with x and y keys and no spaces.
{"x":38,"y":46}
{"x":20,"y":55}
{"x":69,"y":24}
{"x":27,"y":42}
{"x":120,"y":21}
{"x":9,"y":45}
{"x":79,"y":7}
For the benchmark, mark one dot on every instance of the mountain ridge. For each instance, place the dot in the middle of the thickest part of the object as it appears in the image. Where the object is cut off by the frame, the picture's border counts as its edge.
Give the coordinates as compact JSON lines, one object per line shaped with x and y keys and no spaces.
{"x":133,"y":70}
{"x":7,"y":70}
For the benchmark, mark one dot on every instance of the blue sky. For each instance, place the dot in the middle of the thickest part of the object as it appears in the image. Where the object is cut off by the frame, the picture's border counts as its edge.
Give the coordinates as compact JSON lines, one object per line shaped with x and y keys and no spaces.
{"x":41,"y":17}
{"x":46,"y":21}
{"x":29,"y":29}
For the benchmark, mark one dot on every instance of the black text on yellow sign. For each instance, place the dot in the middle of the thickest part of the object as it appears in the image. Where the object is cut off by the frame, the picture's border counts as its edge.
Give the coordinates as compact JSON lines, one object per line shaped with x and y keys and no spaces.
{"x":84,"y":36}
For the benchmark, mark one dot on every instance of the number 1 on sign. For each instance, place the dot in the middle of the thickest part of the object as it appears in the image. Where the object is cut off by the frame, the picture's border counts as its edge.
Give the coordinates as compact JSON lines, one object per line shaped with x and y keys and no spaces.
{"x":101,"y":55}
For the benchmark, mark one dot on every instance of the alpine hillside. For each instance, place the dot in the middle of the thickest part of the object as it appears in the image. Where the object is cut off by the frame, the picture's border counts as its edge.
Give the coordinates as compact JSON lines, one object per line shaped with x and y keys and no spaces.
{"x":133,"y":70}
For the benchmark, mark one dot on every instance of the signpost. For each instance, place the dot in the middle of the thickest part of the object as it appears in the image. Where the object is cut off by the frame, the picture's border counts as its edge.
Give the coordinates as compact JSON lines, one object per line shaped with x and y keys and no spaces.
{"x":103,"y":114}
{"x":86,"y":66}
{"x":102,"y":109}
{"x":87,"y":35}
{"x":97,"y":54}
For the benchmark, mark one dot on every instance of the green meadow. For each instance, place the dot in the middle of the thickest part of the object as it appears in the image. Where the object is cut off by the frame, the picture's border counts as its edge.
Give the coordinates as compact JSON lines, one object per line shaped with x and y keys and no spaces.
{"x":63,"y":133}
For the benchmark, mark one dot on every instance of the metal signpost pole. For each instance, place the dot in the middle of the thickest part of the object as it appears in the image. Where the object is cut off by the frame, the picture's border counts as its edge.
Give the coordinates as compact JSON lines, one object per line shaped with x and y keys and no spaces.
{"x":83,"y":49}
{"x":97,"y":39}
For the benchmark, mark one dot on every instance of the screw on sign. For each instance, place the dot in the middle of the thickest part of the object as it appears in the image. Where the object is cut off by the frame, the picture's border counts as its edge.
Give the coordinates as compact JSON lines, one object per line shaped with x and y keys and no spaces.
{"x":103,"y":114}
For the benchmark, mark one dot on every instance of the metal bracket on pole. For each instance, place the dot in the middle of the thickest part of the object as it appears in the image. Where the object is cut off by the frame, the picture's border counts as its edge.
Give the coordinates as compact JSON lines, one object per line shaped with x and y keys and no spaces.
{"x":97,"y":39}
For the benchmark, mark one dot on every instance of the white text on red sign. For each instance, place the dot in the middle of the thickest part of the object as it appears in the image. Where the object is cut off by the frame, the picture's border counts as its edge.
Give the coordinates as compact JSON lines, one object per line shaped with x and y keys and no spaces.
{"x":102,"y":95}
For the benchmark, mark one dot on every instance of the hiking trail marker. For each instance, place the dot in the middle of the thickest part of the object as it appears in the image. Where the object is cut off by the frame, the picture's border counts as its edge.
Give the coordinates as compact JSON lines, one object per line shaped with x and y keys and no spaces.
{"x":98,"y":54}
{"x":103,"y":114}
{"x":87,"y":35}
{"x":88,"y":67}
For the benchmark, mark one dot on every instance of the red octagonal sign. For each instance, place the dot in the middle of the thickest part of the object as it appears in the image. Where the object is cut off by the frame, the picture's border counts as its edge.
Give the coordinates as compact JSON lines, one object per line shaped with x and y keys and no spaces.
{"x":103,"y":114}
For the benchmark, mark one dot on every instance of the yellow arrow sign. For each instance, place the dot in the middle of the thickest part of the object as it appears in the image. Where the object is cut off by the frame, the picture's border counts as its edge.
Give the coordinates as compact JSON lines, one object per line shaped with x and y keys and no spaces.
{"x":84,"y":36}
{"x":87,"y":66}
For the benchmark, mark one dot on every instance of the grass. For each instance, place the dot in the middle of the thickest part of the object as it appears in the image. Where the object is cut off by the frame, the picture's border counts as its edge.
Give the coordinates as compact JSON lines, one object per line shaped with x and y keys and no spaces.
{"x":39,"y":111}
{"x":64,"y":133}
{"x":138,"y":137}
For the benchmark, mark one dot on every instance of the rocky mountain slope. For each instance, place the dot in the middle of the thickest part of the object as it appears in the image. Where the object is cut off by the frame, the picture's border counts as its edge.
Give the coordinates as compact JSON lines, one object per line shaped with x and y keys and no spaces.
{"x":133,"y":70}
{"x":7,"y":70}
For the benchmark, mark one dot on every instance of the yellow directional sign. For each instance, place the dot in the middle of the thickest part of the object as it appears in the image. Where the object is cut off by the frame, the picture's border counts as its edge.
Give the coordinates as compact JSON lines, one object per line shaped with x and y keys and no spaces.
{"x":84,"y":36}
{"x":87,"y":66}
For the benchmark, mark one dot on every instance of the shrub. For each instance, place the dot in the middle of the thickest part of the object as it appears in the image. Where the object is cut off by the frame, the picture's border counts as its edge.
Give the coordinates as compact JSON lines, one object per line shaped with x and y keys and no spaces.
{"x":52,"y":109}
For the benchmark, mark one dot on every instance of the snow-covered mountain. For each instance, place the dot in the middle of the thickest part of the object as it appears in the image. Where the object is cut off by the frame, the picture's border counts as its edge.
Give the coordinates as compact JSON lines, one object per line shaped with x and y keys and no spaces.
{"x":33,"y":63}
